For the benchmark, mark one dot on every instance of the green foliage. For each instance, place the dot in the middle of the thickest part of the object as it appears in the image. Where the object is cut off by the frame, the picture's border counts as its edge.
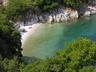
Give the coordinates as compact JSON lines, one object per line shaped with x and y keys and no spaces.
{"x":10,"y":45}
{"x":10,"y":65}
{"x":13,"y":9}
{"x":10,"y":39}
{"x":75,"y":3}
{"x":38,"y":66}
{"x":80,"y":56}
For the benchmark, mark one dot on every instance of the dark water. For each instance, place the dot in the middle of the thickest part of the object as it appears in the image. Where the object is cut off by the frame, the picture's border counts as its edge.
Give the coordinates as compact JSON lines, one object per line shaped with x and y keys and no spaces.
{"x":50,"y":38}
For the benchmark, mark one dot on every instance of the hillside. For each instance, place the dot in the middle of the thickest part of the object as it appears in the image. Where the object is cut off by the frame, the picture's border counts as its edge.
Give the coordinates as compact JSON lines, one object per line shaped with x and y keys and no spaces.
{"x":79,"y":56}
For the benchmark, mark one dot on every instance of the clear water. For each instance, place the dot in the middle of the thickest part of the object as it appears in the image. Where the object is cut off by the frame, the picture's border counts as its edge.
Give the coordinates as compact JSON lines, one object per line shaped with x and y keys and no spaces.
{"x":50,"y":38}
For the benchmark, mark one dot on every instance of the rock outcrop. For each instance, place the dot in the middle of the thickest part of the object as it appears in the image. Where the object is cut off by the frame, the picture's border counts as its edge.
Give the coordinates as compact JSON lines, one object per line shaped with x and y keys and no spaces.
{"x":55,"y":15}
{"x":59,"y":15}
{"x":87,"y":10}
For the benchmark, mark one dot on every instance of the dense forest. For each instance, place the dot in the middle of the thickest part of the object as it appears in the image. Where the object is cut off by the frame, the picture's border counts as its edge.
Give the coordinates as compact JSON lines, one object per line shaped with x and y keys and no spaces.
{"x":80,"y":56}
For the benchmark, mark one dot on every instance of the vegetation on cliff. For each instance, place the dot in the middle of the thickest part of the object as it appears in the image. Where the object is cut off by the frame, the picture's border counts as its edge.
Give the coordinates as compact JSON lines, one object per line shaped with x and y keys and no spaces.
{"x":10,"y":45}
{"x":10,"y":39}
{"x":19,"y":8}
{"x":80,"y":56}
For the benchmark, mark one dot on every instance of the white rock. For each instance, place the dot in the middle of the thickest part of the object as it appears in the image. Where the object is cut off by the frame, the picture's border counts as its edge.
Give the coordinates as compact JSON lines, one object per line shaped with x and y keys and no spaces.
{"x":74,"y":14}
{"x":50,"y":19}
{"x":54,"y":18}
{"x":58,"y":17}
{"x":63,"y":17}
{"x":93,"y":12}
{"x":87,"y":13}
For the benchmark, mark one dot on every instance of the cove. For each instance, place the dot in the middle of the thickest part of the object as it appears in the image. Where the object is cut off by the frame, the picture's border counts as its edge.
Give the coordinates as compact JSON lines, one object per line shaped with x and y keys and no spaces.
{"x":49,"y":38}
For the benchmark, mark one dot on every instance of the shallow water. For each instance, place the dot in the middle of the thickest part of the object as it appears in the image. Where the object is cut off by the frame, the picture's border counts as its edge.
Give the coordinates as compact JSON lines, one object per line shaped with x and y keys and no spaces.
{"x":49,"y":38}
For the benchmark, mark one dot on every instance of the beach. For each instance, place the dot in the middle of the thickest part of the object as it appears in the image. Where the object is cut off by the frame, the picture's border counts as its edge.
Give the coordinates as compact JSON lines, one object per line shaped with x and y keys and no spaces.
{"x":29,"y":30}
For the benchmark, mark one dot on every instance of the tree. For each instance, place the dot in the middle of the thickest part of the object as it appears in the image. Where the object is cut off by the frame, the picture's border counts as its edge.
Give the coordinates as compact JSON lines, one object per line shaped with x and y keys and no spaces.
{"x":10,"y":39}
{"x":12,"y":65}
{"x":80,"y":56}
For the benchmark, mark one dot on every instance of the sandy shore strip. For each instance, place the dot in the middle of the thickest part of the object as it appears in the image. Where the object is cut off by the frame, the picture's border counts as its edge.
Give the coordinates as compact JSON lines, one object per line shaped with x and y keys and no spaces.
{"x":29,"y":31}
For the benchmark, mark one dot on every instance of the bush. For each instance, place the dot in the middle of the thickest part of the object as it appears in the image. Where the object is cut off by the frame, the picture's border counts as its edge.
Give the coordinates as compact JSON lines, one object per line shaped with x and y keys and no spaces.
{"x":80,"y":56}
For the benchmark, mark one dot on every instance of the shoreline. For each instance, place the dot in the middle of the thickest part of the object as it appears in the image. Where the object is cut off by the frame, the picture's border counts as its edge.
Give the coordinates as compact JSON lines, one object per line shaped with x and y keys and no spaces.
{"x":29,"y":31}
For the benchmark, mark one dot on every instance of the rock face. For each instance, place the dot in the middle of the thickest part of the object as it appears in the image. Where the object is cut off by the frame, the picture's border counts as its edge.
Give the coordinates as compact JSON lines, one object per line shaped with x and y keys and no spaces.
{"x":87,"y":10}
{"x":55,"y":15}
{"x":59,"y":15}
{"x":87,"y":13}
{"x":90,"y":10}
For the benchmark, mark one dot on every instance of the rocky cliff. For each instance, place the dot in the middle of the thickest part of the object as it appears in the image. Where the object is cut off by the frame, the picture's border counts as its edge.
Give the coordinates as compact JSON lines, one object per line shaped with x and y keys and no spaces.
{"x":55,"y":15}
{"x":58,"y":15}
{"x":87,"y":10}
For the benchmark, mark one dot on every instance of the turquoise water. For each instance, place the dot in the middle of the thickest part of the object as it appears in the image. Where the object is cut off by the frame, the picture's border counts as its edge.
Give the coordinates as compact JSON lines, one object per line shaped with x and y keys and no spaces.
{"x":49,"y":38}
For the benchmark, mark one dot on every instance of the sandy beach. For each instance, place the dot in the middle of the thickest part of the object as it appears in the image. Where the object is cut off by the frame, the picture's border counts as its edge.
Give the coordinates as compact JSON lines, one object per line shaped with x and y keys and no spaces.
{"x":29,"y":31}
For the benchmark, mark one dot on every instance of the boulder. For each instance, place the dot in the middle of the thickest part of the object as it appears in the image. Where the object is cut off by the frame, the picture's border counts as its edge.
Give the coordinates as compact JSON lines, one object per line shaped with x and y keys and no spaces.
{"x":58,"y":17}
{"x":74,"y":15}
{"x":87,"y":13}
{"x":64,"y":17}
{"x":50,"y":19}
